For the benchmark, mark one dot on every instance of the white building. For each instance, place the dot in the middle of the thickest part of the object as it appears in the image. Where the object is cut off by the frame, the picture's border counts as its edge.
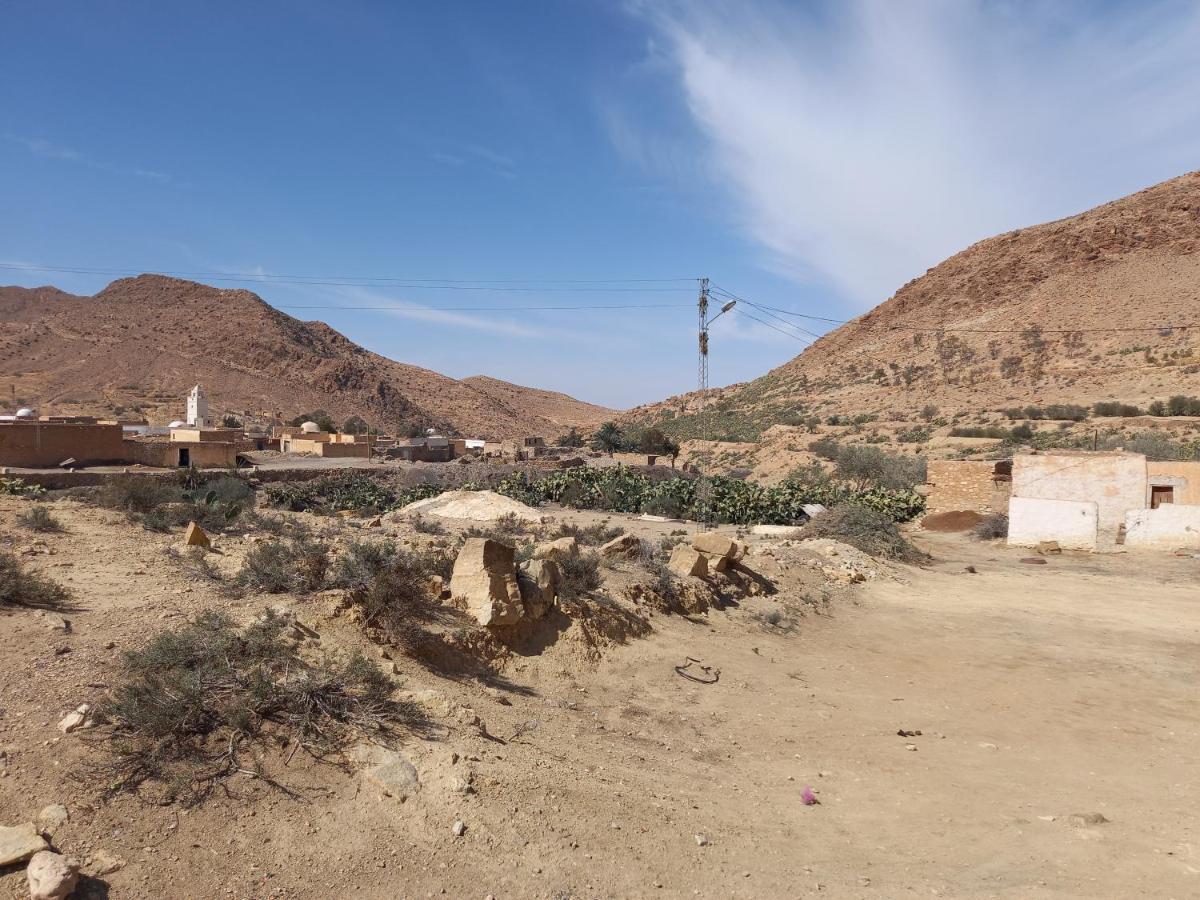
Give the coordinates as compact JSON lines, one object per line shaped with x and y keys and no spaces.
{"x":197,"y":408}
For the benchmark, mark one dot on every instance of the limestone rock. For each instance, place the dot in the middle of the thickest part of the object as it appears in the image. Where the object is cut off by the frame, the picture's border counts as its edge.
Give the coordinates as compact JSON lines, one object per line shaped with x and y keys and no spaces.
{"x":20,"y":842}
{"x":686,"y":561}
{"x":716,"y":544}
{"x":539,"y":581}
{"x":195,"y":536}
{"x":51,"y":876}
{"x":778,"y":531}
{"x":627,"y":546}
{"x":79,"y":719}
{"x":557,"y":550}
{"x":388,"y":770}
{"x":102,"y":862}
{"x":52,"y":818}
{"x":485,"y":576}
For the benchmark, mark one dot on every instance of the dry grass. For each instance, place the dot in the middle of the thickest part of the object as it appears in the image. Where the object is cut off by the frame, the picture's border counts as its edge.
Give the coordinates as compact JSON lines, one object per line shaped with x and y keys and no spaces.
{"x":197,"y":703}
{"x":20,"y":587}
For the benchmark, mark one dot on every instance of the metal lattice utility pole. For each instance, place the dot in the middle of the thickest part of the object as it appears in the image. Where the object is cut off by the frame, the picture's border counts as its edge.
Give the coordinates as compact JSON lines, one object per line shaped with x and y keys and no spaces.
{"x":703,"y":492}
{"x":703,"y":306}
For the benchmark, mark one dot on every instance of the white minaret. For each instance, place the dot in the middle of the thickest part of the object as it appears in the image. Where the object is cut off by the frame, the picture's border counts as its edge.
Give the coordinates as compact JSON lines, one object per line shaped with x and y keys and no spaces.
{"x":197,"y":408}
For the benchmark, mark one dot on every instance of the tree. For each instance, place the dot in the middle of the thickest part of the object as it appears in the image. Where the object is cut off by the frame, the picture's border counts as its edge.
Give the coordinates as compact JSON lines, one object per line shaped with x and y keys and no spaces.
{"x":230,"y":422}
{"x":571,"y":439}
{"x":355,"y":425}
{"x":608,"y":438}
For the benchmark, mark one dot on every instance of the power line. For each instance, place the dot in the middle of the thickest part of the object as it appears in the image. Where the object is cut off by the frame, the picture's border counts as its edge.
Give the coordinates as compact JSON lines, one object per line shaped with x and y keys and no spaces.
{"x":446,"y":284}
{"x":422,"y":308}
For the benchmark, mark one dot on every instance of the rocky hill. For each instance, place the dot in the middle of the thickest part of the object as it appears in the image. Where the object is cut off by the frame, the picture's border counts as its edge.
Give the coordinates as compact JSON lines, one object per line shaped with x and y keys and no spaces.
{"x":141,"y":343}
{"x":1104,"y":305}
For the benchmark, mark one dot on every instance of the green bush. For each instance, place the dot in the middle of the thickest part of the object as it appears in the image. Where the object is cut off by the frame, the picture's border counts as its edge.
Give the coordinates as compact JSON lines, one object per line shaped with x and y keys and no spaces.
{"x":580,"y":575}
{"x":15,"y":487}
{"x":617,"y":489}
{"x":866,"y":466}
{"x":393,"y":593}
{"x":348,"y":490}
{"x":1114,"y":409}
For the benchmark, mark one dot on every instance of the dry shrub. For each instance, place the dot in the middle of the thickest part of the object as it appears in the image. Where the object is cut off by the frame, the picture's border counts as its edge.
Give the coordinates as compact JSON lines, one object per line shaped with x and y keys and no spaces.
{"x":297,"y":564}
{"x":392,"y":592}
{"x":589,"y":535}
{"x":869,"y":530}
{"x":580,"y":575}
{"x":992,"y":528}
{"x":19,"y":587}
{"x":40,"y":519}
{"x":194,"y":701}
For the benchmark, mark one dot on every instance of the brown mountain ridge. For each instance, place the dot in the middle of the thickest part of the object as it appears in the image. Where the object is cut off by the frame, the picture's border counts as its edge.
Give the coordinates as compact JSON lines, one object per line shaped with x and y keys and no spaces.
{"x":142,"y":342}
{"x":1104,"y":305}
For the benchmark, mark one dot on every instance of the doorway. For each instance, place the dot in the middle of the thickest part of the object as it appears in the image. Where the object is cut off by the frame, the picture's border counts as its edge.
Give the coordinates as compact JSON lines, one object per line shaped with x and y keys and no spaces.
{"x":1160,"y":494}
{"x":185,"y":457}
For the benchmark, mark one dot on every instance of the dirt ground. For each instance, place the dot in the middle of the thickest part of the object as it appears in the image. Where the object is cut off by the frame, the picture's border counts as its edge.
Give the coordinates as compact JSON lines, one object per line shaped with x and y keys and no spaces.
{"x":1040,"y":692}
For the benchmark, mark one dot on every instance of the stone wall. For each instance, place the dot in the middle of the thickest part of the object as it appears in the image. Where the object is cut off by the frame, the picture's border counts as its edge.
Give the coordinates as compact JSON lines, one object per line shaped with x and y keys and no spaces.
{"x":966,"y":484}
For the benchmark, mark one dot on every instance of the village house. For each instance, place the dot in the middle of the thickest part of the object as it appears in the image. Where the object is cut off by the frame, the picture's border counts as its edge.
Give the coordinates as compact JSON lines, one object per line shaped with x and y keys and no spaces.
{"x":309,"y":438}
{"x":1079,"y":499}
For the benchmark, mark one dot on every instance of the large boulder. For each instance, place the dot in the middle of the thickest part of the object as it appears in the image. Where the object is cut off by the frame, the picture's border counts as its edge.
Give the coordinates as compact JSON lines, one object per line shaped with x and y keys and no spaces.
{"x":713,"y":543}
{"x":51,"y":876}
{"x":627,"y":546}
{"x":539,"y":580}
{"x":485,"y":576}
{"x":686,"y":561}
{"x":557,"y":550}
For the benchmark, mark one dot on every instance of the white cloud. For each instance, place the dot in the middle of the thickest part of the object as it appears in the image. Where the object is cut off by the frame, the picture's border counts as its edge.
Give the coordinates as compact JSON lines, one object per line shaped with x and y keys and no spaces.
{"x":405,"y":309}
{"x":862,"y":141}
{"x":47,"y":150}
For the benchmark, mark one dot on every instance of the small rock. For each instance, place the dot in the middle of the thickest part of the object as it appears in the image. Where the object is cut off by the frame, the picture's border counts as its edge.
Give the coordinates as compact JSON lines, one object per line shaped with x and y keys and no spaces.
{"x":102,"y":862}
{"x":459,"y":828}
{"x":557,"y":550}
{"x":1084,"y":820}
{"x":79,"y":719}
{"x":51,"y":876}
{"x":626,"y":546}
{"x":701,"y":840}
{"x":52,"y":818}
{"x":910,"y":746}
{"x":195,"y":536}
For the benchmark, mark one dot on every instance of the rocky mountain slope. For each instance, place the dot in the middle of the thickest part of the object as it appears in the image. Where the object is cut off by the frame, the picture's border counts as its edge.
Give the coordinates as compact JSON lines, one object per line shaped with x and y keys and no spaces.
{"x":1104,"y":305}
{"x":141,"y":343}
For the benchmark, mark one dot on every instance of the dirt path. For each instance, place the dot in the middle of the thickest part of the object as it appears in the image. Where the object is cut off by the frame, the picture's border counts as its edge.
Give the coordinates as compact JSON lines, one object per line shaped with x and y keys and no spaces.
{"x":1040,"y":691}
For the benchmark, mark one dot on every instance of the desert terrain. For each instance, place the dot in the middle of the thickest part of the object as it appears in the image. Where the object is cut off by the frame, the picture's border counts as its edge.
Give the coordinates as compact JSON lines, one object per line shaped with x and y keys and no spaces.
{"x":972,"y":726}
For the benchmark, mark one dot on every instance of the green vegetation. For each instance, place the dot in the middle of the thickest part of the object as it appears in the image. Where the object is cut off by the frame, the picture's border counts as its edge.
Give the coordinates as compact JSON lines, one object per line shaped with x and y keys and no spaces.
{"x":713,"y":498}
{"x":1114,"y":409}
{"x":201,"y":704}
{"x":347,"y":490}
{"x":15,"y":487}
{"x":392,"y":591}
{"x":214,"y":501}
{"x":611,"y":438}
{"x":866,"y":467}
{"x":580,"y":575}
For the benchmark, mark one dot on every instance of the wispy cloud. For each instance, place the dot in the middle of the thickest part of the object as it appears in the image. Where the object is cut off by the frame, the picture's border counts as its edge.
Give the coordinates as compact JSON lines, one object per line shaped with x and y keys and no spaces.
{"x":406,"y":309}
{"x":861,"y":141}
{"x":48,"y":150}
{"x":464,"y":154}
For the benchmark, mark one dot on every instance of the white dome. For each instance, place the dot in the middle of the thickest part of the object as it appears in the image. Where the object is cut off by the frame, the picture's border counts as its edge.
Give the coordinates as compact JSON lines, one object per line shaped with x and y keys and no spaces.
{"x":25,"y":413}
{"x":310,"y":428}
{"x":177,"y":424}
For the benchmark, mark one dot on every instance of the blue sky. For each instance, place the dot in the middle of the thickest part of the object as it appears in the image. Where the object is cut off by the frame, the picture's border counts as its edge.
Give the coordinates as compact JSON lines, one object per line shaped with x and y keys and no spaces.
{"x":807,"y":156}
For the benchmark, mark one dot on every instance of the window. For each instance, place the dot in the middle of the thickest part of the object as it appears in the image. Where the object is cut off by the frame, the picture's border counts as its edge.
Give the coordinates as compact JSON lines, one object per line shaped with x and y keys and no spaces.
{"x":1160,"y":494}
